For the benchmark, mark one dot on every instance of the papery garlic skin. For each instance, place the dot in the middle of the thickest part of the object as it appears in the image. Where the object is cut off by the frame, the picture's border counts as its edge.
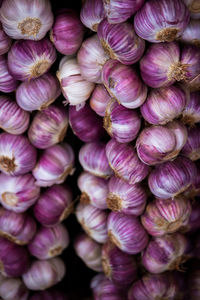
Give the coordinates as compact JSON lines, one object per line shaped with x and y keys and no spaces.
{"x":54,"y":205}
{"x":94,"y":190}
{"x":89,"y":251}
{"x":18,"y":193}
{"x":44,"y":274}
{"x":192,"y":147}
{"x":54,"y":165}
{"x":26,"y":19}
{"x":38,"y":93}
{"x":13,"y":288}
{"x":191,"y":33}
{"x":99,"y":100}
{"x":48,"y":127}
{"x":49,"y":242}
{"x":93,"y":221}
{"x":5,"y":41}
{"x":13,"y":119}
{"x":75,"y":88}
{"x":92,"y":13}
{"x":194,"y":8}
{"x":191,"y":113}
{"x":8,"y":83}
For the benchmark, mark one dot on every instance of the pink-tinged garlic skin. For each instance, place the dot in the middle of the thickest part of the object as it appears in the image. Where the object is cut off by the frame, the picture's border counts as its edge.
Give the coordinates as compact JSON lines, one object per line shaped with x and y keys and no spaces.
{"x":172,"y":178}
{"x":14,"y":259}
{"x":194,"y":282}
{"x":160,"y":65}
{"x":89,"y":251}
{"x":118,"y":11}
{"x":123,"y":83}
{"x":92,"y":157}
{"x":165,"y":253}
{"x":163,"y":105}
{"x":91,"y":59}
{"x":192,"y":146}
{"x":152,"y":285}
{"x":13,"y":288}
{"x":38,"y":93}
{"x":17,"y":155}
{"x":67,"y":32}
{"x":75,"y":88}
{"x":26,"y":19}
{"x":19,"y":228}
{"x":121,"y":42}
{"x":127,"y":198}
{"x":5,"y":41}
{"x":194,"y":8}
{"x":191,"y":113}
{"x":18,"y":193}
{"x":94,"y":190}
{"x":54,"y":205}
{"x":86,"y":125}
{"x":157,"y":144}
{"x":121,"y":123}
{"x":30,"y":59}
{"x":194,"y":221}
{"x":54,"y":165}
{"x":49,"y":295}
{"x":126,"y":232}
{"x":163,"y":216}
{"x":162,"y":21}
{"x":8,"y":83}
{"x":93,"y":221}
{"x":49,"y":242}
{"x":191,"y":34}
{"x":125,"y":163}
{"x":92,"y":13}
{"x":118,"y":266}
{"x":13,"y":119}
{"x":99,"y":100}
{"x":48,"y":127}
{"x":44,"y":274}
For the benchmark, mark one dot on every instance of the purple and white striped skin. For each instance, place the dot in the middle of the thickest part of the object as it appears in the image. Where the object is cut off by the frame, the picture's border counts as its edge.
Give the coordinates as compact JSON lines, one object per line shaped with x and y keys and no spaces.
{"x":17,"y":155}
{"x":18,"y":193}
{"x":99,"y":99}
{"x":13,"y":119}
{"x":92,"y":157}
{"x":163,"y":105}
{"x":94,"y":190}
{"x":127,"y":233}
{"x":5,"y":41}
{"x":125,"y":163}
{"x":166,"y":216}
{"x":191,"y":34}
{"x":89,"y":251}
{"x":153,"y":286}
{"x":49,"y":295}
{"x":127,"y":198}
{"x":8,"y":83}
{"x":193,"y":284}
{"x":19,"y":228}
{"x":93,"y":221}
{"x":14,"y":259}
{"x":85,"y":123}
{"x":49,"y":242}
{"x":48,"y":127}
{"x":91,"y":59}
{"x":172,"y":178}
{"x":160,"y":66}
{"x":30,"y":59}
{"x":118,"y":11}
{"x":118,"y":266}
{"x":161,"y":21}
{"x":121,"y":42}
{"x":191,"y":112}
{"x":67,"y":32}
{"x":194,"y":8}
{"x":13,"y":288}
{"x":192,"y":146}
{"x":38,"y":93}
{"x":165,"y":253}
{"x":157,"y":144}
{"x":54,"y":165}
{"x":44,"y":274}
{"x":123,"y":83}
{"x":54,"y":205}
{"x":92,"y":13}
{"x":121,"y":123}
